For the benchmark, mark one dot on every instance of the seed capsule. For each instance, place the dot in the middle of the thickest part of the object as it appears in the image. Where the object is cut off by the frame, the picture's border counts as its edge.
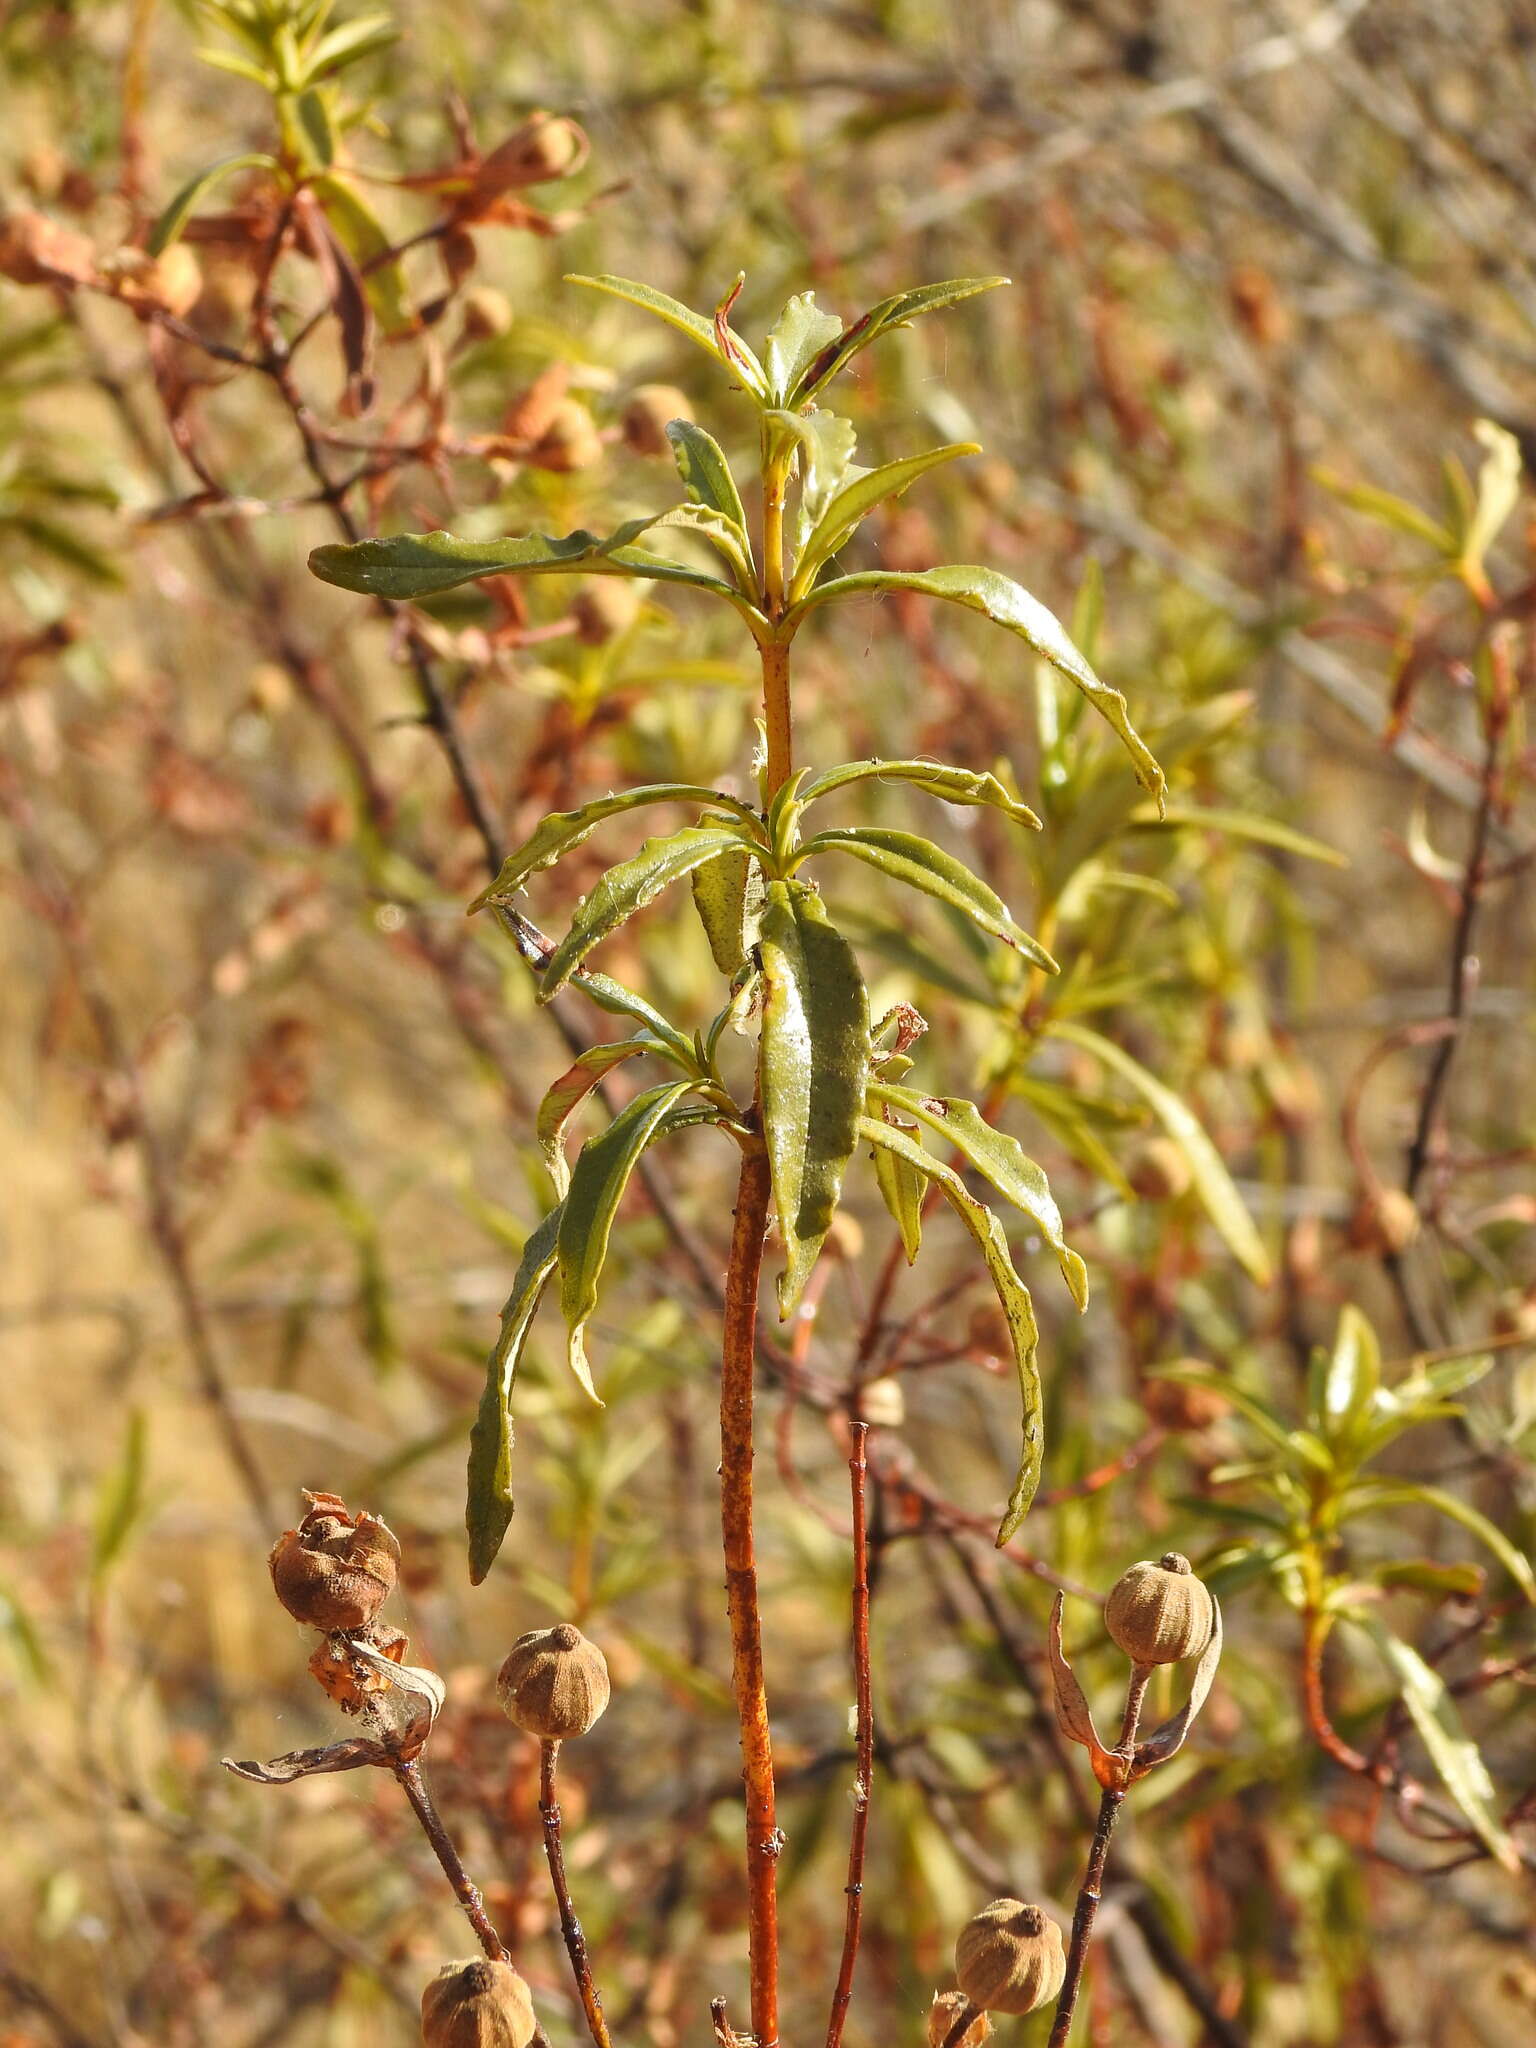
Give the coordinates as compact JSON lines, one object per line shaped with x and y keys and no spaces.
{"x":645,"y":419}
{"x":1158,"y":1170}
{"x":944,"y":2014}
{"x":554,"y":1683}
{"x":477,"y":2005}
{"x":569,"y":441}
{"x":1009,"y":1958}
{"x":335,"y":1570}
{"x":1159,"y":1613}
{"x":606,"y":607}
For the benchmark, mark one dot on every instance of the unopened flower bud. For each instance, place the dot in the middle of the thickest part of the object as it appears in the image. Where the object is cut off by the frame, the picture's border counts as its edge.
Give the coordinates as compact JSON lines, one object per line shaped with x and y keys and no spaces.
{"x":1158,"y":1170}
{"x":554,"y":1683}
{"x":603,"y":609}
{"x":1009,"y":1958}
{"x":570,"y":440}
{"x":335,"y":1570}
{"x":945,"y":2012}
{"x":645,"y":419}
{"x":477,"y":2005}
{"x":1159,"y":1613}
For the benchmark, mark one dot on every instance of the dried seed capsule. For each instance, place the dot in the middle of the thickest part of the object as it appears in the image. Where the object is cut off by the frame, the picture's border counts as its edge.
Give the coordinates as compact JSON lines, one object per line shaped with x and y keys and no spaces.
{"x":604,"y":608}
{"x":1009,"y":1958}
{"x":1159,"y":1613}
{"x":1158,"y":1170}
{"x":335,"y":1570}
{"x":554,"y":1683}
{"x":477,"y":2005}
{"x":645,"y":418}
{"x":569,"y":441}
{"x":944,"y":2015}
{"x":486,"y":314}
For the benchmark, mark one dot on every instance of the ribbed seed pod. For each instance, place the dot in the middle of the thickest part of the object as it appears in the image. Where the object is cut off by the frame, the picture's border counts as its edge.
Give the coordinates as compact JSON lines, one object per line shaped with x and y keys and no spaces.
{"x":1009,"y":1958}
{"x":554,"y":1683}
{"x":1159,"y":1613}
{"x":944,"y":2015}
{"x":480,"y":2004}
{"x":645,"y":418}
{"x":336,"y":1569}
{"x":569,"y":441}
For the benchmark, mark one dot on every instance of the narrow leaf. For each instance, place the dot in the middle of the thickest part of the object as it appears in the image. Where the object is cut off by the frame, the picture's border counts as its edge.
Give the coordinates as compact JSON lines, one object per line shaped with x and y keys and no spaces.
{"x":880,"y":319}
{"x":1347,"y":1377}
{"x":1013,"y":1295}
{"x":628,"y":888}
{"x":922,"y":865}
{"x":168,"y":227}
{"x":936,"y":778}
{"x":901,"y":1189}
{"x":1402,"y":1493}
{"x":998,"y":1159}
{"x":610,"y":996}
{"x":704,"y":470}
{"x":488,"y":1510}
{"x":1008,"y":605}
{"x":856,"y":501}
{"x":728,"y":895}
{"x":1223,"y":1204}
{"x":559,"y":831}
{"x":410,"y":565}
{"x":564,"y":1097}
{"x":1238,"y":825}
{"x":814,"y":1062}
{"x":683,"y":318}
{"x":602,"y":1173}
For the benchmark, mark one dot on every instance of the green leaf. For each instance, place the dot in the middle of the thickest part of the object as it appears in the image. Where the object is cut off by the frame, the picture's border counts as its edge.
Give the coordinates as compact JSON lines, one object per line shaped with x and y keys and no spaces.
{"x":1455,"y":1756}
{"x":901,"y":1189}
{"x":559,"y":831}
{"x":564,"y":1097}
{"x":857,"y":500}
{"x":1213,"y":1184}
{"x":628,"y":888}
{"x":1367,"y":1495}
{"x":1389,"y":510}
{"x":728,"y":895}
{"x":1009,"y":605}
{"x":1344,"y":1380}
{"x":880,"y":319}
{"x":704,"y":470}
{"x":119,"y":1500}
{"x":998,"y":1159}
{"x":825,"y":443}
{"x":603,"y":1168}
{"x":1299,"y":1446}
{"x":683,"y":318}
{"x":410,"y":565}
{"x":168,"y":227}
{"x":798,"y":337}
{"x":936,"y":778}
{"x":609,"y":995}
{"x":351,"y":42}
{"x":724,"y":535}
{"x":814,"y":1062}
{"x":1013,"y":1295}
{"x":315,"y":121}
{"x":922,"y":865}
{"x":1238,"y":825}
{"x":488,"y":1509}
{"x":363,"y":235}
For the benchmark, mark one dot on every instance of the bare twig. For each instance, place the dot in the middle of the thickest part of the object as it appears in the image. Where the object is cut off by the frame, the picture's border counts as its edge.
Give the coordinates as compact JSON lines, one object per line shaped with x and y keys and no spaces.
{"x":415,"y":1788}
{"x":570,"y":1926}
{"x":864,"y":1737}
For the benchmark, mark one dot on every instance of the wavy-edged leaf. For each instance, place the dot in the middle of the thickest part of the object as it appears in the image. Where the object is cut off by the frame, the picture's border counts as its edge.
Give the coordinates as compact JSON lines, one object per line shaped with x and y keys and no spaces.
{"x":825,"y":442}
{"x":1009,"y":605}
{"x":700,"y":331}
{"x":168,"y":227}
{"x":488,"y":1507}
{"x":813,"y":1061}
{"x":799,"y":335}
{"x":921,"y":865}
{"x":1238,"y":825}
{"x":972,"y":786}
{"x":559,"y":831}
{"x":998,"y":1159}
{"x":704,"y":470}
{"x":857,"y":500}
{"x":724,"y":536}
{"x":728,"y":895}
{"x":404,"y":566}
{"x":880,"y":319}
{"x":1368,"y":1494}
{"x":901,"y":1189}
{"x":565,"y":1096}
{"x":1212,"y":1183}
{"x":1455,"y":1756}
{"x":628,"y":888}
{"x":1013,"y":1296}
{"x":603,"y":1168}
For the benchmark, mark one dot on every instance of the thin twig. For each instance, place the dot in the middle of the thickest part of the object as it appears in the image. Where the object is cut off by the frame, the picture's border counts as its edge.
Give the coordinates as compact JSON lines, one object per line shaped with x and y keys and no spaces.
{"x":415,"y":1788}
{"x":864,"y":1737}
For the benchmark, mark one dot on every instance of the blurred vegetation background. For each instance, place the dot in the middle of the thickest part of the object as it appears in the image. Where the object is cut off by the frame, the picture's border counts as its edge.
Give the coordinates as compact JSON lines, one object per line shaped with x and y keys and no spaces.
{"x":267,"y":1097}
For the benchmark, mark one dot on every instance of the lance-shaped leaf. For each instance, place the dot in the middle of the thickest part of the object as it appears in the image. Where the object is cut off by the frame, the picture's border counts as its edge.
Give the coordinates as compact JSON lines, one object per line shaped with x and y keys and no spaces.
{"x":609,"y":995}
{"x":1367,"y":1494}
{"x":952,"y":785}
{"x":1009,"y":605}
{"x":728,"y":895}
{"x":1343,"y":1381}
{"x":1168,"y":1740}
{"x":724,"y":536}
{"x":168,"y":227}
{"x":488,"y":1509}
{"x":559,"y":831}
{"x":602,"y":1172}
{"x":998,"y":1159}
{"x":892,"y":312}
{"x":564,"y":1097}
{"x":921,"y":865}
{"x":1073,"y":1715}
{"x":1236,"y":825}
{"x":705,"y":472}
{"x":684,"y":319}
{"x":627,"y":888}
{"x":902,"y":1189}
{"x":411,"y":565}
{"x":814,"y":1062}
{"x":1455,"y":1756}
{"x":1013,"y":1296}
{"x":799,"y":335}
{"x":1212,"y":1183}
{"x":857,"y":500}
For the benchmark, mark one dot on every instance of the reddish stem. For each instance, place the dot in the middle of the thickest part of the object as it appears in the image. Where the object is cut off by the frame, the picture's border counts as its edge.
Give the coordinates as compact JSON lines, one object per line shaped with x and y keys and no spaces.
{"x":864,"y":1722}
